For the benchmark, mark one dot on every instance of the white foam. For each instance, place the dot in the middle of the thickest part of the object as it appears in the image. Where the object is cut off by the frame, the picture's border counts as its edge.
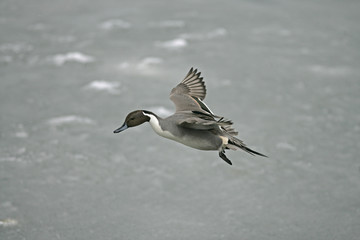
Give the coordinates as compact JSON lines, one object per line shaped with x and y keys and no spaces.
{"x":8,"y":222}
{"x":57,"y":121}
{"x":61,"y":59}
{"x":114,"y":24}
{"x":148,"y":62}
{"x":146,"y":66}
{"x":174,"y":44}
{"x":101,"y":85}
{"x":21,"y":134}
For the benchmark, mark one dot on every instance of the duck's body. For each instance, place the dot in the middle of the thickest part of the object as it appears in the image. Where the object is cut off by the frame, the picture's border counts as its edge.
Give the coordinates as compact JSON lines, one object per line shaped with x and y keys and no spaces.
{"x":199,"y":139}
{"x":193,"y":124}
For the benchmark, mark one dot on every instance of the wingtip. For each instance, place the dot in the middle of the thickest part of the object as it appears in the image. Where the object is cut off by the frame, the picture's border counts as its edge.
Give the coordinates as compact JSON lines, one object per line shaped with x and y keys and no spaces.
{"x":191,"y":71}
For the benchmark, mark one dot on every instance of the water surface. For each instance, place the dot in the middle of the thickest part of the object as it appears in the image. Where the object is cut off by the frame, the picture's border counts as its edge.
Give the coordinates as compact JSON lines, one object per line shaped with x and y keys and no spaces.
{"x":286,"y":72}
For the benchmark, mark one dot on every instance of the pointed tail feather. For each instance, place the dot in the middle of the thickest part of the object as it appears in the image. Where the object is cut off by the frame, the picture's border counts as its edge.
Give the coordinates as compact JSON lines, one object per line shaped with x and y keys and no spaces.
{"x":253,"y":152}
{"x":238,"y":143}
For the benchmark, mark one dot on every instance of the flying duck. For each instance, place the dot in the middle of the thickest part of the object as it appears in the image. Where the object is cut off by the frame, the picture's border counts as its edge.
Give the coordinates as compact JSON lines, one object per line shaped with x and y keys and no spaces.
{"x":193,"y":123}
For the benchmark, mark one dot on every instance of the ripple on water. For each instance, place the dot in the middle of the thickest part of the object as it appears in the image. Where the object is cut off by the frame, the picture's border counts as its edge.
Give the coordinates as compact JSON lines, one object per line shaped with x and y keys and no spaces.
{"x":70,"y":119}
{"x":75,"y":57}
{"x":175,"y":44}
{"x":104,"y":86}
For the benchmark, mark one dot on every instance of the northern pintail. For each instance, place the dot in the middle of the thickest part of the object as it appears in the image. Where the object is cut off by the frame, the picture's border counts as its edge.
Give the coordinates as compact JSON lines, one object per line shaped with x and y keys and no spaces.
{"x":193,"y":124}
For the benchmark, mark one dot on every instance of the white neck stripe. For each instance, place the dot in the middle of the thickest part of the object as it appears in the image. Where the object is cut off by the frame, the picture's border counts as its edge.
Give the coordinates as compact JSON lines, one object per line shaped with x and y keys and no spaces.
{"x":154,"y":122}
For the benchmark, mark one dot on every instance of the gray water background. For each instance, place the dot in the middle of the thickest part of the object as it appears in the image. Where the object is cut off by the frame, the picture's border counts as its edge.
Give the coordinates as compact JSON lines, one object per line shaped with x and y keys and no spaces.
{"x":286,"y":72}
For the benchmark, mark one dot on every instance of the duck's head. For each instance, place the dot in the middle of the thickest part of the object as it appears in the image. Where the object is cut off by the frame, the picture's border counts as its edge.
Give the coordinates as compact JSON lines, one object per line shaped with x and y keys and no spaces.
{"x":133,"y":119}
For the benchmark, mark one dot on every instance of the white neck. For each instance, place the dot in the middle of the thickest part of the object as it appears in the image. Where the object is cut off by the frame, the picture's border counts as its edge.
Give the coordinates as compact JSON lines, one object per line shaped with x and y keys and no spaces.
{"x":154,"y":122}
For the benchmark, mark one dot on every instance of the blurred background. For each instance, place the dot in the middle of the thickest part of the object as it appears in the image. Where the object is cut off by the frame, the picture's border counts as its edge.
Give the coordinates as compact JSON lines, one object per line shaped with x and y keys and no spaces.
{"x":286,"y":72}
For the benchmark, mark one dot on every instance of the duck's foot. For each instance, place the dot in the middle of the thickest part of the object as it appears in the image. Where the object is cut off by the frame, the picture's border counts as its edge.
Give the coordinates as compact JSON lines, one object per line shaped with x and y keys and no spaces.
{"x":223,"y":157}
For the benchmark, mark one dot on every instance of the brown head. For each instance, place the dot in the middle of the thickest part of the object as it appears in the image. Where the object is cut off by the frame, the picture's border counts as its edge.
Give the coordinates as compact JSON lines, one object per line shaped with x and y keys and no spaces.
{"x":133,"y":119}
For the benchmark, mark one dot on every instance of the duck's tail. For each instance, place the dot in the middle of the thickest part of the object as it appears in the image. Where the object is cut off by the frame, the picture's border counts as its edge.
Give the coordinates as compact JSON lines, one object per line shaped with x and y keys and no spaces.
{"x":231,"y":142}
{"x":235,"y":143}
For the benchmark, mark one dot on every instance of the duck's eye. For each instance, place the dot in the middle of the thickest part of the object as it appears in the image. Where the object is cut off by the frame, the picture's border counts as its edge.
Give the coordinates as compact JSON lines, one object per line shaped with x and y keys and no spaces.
{"x":132,"y":119}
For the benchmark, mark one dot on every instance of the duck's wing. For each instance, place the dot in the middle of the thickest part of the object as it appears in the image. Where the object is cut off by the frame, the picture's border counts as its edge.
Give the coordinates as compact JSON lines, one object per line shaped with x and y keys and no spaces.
{"x":191,"y":111}
{"x":202,"y":121}
{"x":189,"y":94}
{"x":192,"y":85}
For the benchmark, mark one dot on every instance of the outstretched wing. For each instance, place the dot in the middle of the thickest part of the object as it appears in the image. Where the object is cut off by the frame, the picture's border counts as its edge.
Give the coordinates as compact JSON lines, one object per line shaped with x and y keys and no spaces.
{"x":188,"y":95}
{"x":192,"y":85}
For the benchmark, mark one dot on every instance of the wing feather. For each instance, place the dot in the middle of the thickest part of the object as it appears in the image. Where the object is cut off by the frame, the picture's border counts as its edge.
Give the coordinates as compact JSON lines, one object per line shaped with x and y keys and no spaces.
{"x":189,"y":93}
{"x":192,"y":85}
